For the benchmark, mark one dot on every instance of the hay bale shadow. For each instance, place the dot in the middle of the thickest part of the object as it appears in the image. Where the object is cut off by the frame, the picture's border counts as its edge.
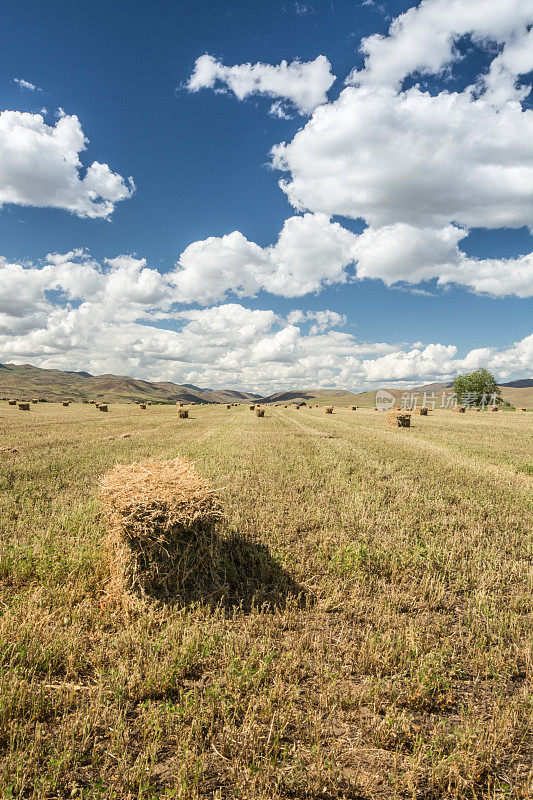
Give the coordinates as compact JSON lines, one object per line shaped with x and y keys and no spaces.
{"x":236,"y":573}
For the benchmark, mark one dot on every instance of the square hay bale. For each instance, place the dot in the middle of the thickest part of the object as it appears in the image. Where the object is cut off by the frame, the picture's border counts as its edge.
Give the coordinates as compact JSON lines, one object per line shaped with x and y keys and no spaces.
{"x":102,"y":407}
{"x":494,"y":408}
{"x":398,"y":419}
{"x":423,"y":411}
{"x":24,"y":406}
{"x":142,"y":405}
{"x":252,"y":408}
{"x":460,"y":409}
{"x":328,"y":409}
{"x":161,"y":519}
{"x":183,"y":413}
{"x":520,"y":409}
{"x":259,"y":412}
{"x":35,"y":400}
{"x":12,"y":402}
{"x":353,"y":408}
{"x":66,"y":403}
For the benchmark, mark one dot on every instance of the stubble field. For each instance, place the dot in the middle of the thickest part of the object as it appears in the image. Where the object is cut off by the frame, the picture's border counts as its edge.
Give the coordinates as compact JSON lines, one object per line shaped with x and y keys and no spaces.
{"x":374,"y":640}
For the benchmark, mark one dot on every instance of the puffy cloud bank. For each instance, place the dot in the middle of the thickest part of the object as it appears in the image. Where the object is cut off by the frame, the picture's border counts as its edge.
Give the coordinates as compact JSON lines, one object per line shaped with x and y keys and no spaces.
{"x":125,"y":317}
{"x":40,"y":166}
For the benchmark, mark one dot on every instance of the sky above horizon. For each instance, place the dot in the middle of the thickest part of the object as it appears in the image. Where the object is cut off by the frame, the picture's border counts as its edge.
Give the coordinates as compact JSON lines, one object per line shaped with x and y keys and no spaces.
{"x":260,"y":196}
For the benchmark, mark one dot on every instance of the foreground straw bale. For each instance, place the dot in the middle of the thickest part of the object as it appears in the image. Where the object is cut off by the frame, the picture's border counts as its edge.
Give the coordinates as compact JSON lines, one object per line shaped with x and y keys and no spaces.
{"x":24,"y":406}
{"x":183,"y":413}
{"x":259,"y":412}
{"x":423,"y":411}
{"x":102,"y":407}
{"x":161,"y":517}
{"x":398,"y":420}
{"x":328,"y":409}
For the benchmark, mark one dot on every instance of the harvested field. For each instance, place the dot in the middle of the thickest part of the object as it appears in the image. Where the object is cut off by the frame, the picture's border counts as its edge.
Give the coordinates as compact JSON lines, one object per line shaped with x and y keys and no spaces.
{"x":365,"y":632}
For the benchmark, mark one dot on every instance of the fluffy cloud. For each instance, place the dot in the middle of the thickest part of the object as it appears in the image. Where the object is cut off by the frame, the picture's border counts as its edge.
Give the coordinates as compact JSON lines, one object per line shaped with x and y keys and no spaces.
{"x":125,"y":317}
{"x":412,"y":157}
{"x":411,"y":254}
{"x":302,"y":84}
{"x":311,"y":252}
{"x":40,"y":166}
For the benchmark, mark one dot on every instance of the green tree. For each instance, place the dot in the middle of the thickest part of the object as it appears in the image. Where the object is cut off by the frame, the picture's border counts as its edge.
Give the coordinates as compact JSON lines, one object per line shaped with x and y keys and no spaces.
{"x":476,"y":388}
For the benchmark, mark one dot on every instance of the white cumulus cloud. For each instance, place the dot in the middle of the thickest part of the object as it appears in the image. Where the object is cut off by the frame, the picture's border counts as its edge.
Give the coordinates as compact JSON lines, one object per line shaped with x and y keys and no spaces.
{"x":40,"y":166}
{"x":302,"y":84}
{"x":311,"y":252}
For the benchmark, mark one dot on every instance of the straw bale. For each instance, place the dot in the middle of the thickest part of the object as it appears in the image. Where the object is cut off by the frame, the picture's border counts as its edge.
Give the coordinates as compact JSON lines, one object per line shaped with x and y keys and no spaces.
{"x":259,"y":412}
{"x":423,"y":411}
{"x":142,"y":405}
{"x":24,"y":406}
{"x":460,"y":409}
{"x":398,"y":420}
{"x":12,"y":402}
{"x":183,"y":413}
{"x":102,"y":407}
{"x":252,"y":408}
{"x":66,"y":403}
{"x":328,"y":409}
{"x":35,"y":400}
{"x":494,"y":408}
{"x":161,"y":519}
{"x":228,"y":406}
{"x":353,"y":408}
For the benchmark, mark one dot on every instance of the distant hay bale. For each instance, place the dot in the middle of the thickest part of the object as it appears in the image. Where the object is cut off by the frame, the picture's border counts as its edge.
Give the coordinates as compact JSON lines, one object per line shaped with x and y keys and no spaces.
{"x":91,"y":402}
{"x":228,"y":406}
{"x":102,"y":407}
{"x":259,"y":412}
{"x":521,"y":409}
{"x":12,"y":402}
{"x":398,"y":420}
{"x":460,"y":409}
{"x":24,"y":406}
{"x":142,"y":405}
{"x":353,"y":408}
{"x":66,"y":403}
{"x":183,"y":413}
{"x":328,"y":409}
{"x":423,"y":411}
{"x":149,"y":403}
{"x":34,"y":400}
{"x":494,"y":408}
{"x":161,"y":518}
{"x":252,"y":408}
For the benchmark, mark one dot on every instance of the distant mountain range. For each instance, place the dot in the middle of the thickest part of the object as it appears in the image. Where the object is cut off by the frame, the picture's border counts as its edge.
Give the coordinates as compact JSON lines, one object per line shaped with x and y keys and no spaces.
{"x":27,"y":381}
{"x":54,"y":384}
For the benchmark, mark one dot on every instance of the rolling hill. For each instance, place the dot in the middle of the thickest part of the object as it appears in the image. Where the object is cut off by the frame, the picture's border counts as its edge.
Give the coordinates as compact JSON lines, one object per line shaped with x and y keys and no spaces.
{"x":53,"y":384}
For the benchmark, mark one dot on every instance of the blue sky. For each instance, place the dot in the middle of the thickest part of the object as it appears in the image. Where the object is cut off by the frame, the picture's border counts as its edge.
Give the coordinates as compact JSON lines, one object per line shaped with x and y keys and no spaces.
{"x":202,"y":166}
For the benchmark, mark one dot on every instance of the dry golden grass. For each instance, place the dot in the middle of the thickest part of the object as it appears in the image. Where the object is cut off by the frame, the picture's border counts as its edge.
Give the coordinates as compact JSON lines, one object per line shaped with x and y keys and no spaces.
{"x":371,"y":637}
